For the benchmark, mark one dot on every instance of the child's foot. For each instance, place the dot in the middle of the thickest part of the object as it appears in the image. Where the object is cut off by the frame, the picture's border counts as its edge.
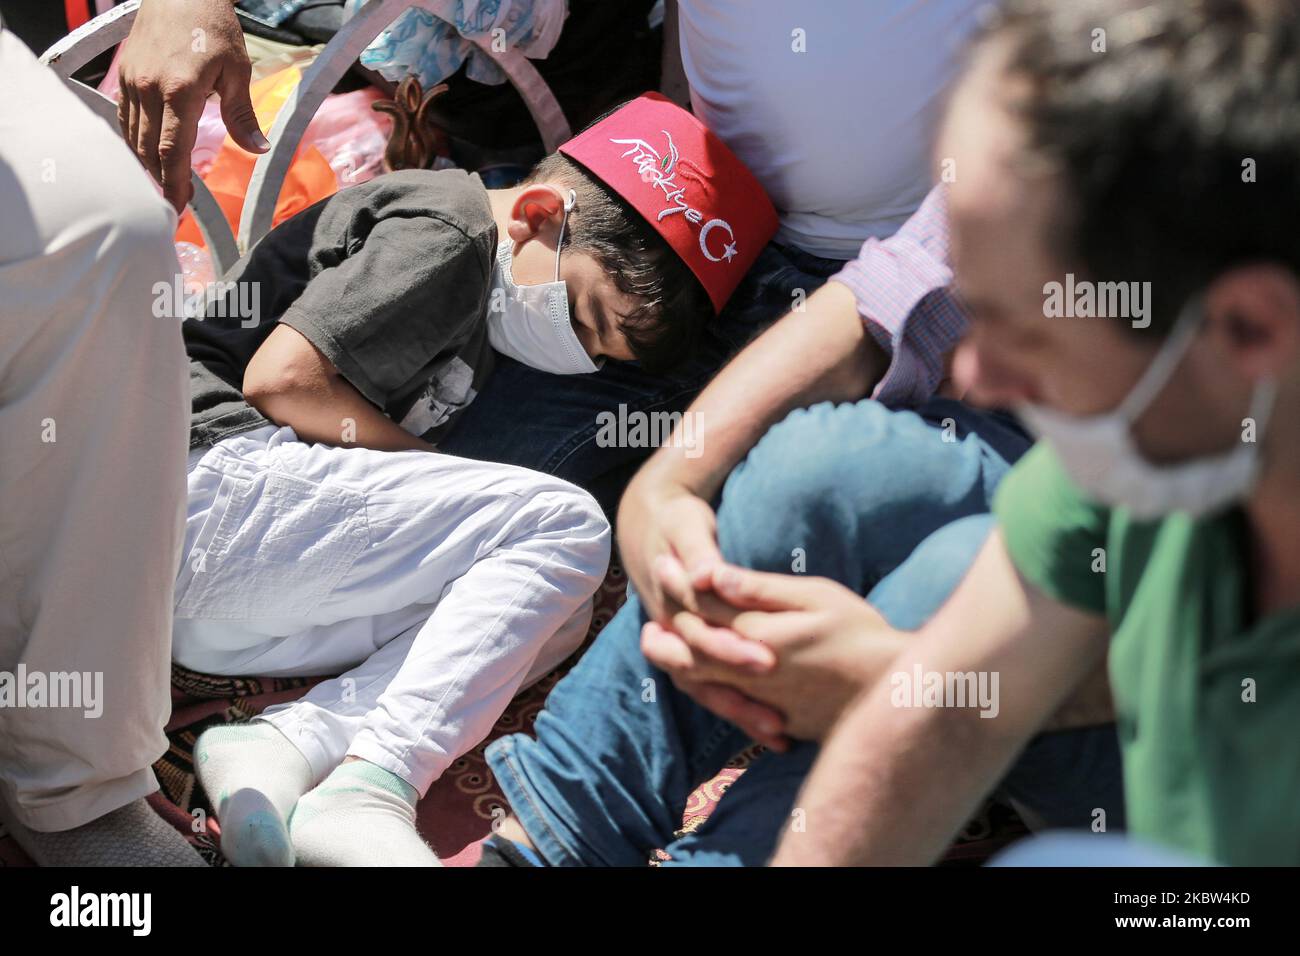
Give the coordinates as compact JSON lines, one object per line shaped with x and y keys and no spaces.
{"x":360,"y":815}
{"x":132,"y":835}
{"x":253,"y":775}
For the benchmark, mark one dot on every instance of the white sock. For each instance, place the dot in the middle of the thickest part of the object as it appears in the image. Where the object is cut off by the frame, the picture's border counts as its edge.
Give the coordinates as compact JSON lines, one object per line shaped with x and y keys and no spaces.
{"x":360,"y":815}
{"x":132,"y":835}
{"x":253,"y":775}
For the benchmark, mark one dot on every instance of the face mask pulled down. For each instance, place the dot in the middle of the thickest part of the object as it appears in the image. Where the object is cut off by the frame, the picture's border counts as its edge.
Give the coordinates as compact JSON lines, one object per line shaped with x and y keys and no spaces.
{"x":1099,"y":454}
{"x":530,"y":323}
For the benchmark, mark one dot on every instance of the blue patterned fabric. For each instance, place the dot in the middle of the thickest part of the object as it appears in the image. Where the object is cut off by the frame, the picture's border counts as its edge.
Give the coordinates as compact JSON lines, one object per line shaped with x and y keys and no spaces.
{"x":433,"y":47}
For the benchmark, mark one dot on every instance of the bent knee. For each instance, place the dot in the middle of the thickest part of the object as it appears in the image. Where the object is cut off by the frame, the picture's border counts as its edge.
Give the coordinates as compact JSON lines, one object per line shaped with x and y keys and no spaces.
{"x":803,"y":477}
{"x":824,"y":452}
{"x":832,"y":480}
{"x":577,"y":519}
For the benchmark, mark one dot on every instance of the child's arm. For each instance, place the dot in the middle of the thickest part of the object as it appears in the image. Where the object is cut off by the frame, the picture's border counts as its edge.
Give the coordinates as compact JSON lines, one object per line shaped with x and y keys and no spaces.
{"x":395,"y":284}
{"x":292,"y":383}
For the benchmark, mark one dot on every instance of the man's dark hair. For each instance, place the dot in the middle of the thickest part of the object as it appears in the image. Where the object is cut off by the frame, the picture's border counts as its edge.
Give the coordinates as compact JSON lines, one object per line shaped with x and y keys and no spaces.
{"x":1157,"y":136}
{"x":671,"y":304}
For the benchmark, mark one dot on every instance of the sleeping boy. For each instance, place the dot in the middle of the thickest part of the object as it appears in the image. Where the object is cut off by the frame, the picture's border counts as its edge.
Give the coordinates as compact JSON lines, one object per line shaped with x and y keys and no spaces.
{"x":324,"y":533}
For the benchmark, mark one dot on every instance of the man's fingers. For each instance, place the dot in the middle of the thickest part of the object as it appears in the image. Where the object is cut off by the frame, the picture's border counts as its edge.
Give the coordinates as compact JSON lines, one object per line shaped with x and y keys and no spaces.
{"x":664,"y":649}
{"x":695,"y":543}
{"x":723,"y":645}
{"x":124,"y":109}
{"x":132,"y":100}
{"x":180,"y":121}
{"x":177,"y":53}
{"x":673,"y":580}
{"x":237,"y":109}
{"x":784,"y":630}
{"x":736,"y":629}
{"x":763,"y":590}
{"x":764,"y":724}
{"x":714,"y":610}
{"x":667,"y":651}
{"x":150,"y":128}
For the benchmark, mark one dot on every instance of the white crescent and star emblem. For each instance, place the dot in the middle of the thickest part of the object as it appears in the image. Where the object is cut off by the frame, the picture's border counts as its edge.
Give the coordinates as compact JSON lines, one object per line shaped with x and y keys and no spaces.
{"x":659,"y":171}
{"x":728,"y":250}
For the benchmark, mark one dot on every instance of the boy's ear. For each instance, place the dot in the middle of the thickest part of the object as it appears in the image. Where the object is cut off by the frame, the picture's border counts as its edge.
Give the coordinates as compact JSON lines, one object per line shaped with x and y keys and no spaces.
{"x":534,"y":206}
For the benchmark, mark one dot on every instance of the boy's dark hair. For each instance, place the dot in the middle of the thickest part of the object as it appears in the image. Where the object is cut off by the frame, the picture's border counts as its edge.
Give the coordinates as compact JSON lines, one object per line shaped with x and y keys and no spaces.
{"x":1159,"y":135}
{"x":672,"y":305}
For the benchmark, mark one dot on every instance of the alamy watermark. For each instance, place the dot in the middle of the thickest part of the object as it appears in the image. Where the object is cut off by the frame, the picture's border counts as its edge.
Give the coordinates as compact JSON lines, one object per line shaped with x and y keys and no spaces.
{"x":639,"y":429}
{"x":955,"y":689}
{"x":181,"y":299}
{"x":71,"y":690}
{"x":1083,"y":299}
{"x":76,"y":908}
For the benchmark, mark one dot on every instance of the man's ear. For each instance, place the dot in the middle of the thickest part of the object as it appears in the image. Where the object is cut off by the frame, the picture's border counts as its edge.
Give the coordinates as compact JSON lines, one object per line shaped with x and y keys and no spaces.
{"x":534,"y":207}
{"x":1254,"y":314}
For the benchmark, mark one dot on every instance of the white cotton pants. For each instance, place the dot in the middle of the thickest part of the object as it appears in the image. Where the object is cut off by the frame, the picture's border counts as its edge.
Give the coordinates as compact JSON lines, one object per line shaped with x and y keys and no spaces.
{"x":437,"y":586}
{"x":94,"y":411}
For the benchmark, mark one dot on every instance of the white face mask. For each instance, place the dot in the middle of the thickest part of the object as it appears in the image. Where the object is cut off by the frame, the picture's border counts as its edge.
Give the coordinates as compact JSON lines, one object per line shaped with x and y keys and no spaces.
{"x":530,"y":323}
{"x":1100,"y":456}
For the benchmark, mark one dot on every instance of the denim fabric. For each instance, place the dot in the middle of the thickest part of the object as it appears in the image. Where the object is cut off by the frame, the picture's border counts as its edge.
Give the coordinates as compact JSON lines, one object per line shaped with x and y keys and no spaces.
{"x":859,"y":492}
{"x":549,"y":422}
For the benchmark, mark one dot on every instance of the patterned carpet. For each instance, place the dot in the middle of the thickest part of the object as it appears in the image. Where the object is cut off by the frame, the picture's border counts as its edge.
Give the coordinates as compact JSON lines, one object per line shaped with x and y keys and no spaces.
{"x":457,"y":813}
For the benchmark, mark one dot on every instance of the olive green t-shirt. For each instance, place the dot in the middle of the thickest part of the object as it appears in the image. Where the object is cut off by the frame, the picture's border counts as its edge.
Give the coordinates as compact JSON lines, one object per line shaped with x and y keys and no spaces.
{"x":1207,"y":699}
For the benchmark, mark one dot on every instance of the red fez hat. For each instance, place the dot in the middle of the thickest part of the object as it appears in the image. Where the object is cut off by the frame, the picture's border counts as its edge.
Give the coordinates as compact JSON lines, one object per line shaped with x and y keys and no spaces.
{"x":687,"y":184}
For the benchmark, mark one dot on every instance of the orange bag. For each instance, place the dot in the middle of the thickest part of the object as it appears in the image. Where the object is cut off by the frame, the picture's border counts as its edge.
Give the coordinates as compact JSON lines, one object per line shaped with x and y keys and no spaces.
{"x":309,"y":180}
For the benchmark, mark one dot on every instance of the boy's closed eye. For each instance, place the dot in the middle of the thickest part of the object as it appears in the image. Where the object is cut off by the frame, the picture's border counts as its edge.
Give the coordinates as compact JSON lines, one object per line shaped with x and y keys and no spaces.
{"x":598,"y":332}
{"x":595,"y":302}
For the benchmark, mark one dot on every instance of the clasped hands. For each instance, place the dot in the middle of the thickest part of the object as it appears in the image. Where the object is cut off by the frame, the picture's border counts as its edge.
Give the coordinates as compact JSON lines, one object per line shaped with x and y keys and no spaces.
{"x":779,"y":655}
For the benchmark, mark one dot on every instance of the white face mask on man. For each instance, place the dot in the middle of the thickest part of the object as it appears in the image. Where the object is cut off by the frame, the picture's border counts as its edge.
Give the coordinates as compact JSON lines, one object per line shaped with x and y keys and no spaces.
{"x":530,"y":323}
{"x":1100,"y":456}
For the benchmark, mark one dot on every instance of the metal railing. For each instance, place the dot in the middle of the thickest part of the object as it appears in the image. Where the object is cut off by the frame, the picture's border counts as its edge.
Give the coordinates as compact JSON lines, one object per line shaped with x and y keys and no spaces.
{"x":107,"y":30}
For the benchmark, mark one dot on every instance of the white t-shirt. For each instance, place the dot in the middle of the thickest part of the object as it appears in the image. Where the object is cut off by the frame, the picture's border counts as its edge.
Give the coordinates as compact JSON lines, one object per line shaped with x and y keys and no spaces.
{"x":838,"y":134}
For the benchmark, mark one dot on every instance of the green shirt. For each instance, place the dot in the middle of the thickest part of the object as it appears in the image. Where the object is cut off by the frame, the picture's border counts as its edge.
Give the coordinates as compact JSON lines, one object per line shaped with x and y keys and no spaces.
{"x":1207,"y":700}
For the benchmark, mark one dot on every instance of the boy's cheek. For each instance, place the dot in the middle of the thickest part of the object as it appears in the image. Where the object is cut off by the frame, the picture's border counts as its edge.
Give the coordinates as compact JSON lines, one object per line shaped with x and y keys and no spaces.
{"x":588,"y":339}
{"x":621,"y":351}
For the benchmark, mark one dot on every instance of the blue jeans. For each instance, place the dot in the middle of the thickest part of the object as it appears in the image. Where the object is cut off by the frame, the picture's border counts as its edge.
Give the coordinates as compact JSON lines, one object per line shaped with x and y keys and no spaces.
{"x":549,"y":422}
{"x":1090,"y":849}
{"x":855,"y":489}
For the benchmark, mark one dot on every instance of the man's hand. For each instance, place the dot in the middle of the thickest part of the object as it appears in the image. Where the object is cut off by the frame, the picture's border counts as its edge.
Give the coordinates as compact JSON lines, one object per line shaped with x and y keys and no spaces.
{"x":826,"y":644}
{"x":178,"y":52}
{"x":893,"y":784}
{"x":660,"y":518}
{"x":822,"y":355}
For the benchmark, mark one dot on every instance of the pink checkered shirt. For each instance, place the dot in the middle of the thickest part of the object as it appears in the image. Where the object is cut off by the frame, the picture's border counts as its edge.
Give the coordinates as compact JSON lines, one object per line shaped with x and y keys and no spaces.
{"x":901,"y":284}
